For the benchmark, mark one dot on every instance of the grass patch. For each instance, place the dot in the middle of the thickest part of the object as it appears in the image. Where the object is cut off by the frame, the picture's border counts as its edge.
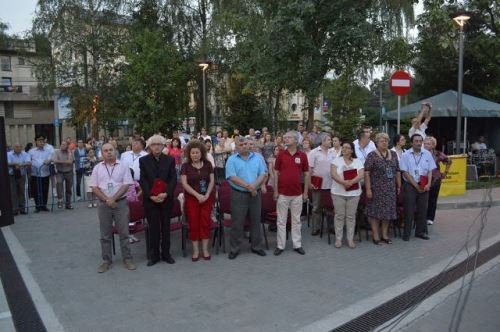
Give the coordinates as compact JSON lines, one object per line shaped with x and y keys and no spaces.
{"x":483,"y":183}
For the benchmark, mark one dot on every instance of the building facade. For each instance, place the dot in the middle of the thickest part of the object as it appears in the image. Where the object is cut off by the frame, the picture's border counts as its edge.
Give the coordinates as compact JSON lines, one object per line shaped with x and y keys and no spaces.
{"x":26,"y":112}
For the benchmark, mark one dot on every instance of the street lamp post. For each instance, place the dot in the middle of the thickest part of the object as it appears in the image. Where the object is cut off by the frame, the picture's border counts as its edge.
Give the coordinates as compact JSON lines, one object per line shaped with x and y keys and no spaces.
{"x":204,"y":67}
{"x":460,"y":20}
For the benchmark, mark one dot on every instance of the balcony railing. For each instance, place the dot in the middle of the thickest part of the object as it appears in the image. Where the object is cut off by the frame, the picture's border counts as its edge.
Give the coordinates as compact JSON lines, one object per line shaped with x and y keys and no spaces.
{"x":12,"y":88}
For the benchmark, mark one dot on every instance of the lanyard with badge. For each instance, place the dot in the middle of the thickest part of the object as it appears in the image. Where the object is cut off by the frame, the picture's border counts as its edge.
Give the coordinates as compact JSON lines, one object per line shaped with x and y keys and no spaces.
{"x":389,"y":169}
{"x":417,"y":172}
{"x":110,"y":178}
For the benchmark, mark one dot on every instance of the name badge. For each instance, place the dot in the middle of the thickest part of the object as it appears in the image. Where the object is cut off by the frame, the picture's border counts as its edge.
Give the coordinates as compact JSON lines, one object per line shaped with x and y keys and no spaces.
{"x":203,"y":186}
{"x":110,"y":187}
{"x":389,"y":172}
{"x":417,"y":173}
{"x":297,"y":160}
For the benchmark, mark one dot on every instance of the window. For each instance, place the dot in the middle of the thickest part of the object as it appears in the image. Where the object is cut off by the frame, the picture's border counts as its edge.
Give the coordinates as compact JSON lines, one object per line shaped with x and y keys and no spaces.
{"x":20,"y":61}
{"x":9,"y":109}
{"x":5,"y":63}
{"x":5,"y":84}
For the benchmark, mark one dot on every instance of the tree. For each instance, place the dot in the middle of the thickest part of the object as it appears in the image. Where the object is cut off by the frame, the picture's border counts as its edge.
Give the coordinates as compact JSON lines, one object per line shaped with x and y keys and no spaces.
{"x":85,"y":37}
{"x":347,"y":99}
{"x":437,"y":61}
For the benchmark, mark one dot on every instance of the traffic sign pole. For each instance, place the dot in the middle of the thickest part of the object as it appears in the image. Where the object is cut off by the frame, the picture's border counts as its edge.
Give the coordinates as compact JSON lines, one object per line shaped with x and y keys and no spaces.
{"x":400,"y":83}
{"x":399,"y":115}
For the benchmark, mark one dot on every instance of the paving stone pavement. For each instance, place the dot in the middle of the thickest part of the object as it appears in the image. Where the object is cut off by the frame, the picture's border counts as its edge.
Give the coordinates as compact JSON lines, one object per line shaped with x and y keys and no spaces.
{"x":251,"y":293}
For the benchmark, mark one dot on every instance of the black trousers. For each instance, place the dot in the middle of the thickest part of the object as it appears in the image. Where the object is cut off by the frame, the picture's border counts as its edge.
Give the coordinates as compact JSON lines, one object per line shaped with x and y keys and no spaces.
{"x":40,"y":187}
{"x":158,"y":217}
{"x":79,"y":176}
{"x":415,"y":204}
{"x":433,"y":198}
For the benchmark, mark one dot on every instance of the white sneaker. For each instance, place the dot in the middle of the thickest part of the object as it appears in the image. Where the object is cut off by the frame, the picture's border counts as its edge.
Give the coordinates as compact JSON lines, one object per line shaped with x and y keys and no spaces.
{"x":430,"y":222}
{"x":90,"y":205}
{"x":95,"y":204}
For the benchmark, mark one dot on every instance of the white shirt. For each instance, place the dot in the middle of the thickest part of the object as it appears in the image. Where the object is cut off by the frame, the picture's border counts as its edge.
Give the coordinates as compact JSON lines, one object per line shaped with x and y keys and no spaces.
{"x":320,"y":164}
{"x":399,"y":157}
{"x":417,"y":164}
{"x":131,"y":160}
{"x":335,"y":152}
{"x":337,"y":188}
{"x":479,"y":146}
{"x":420,"y":131}
{"x":362,"y":153}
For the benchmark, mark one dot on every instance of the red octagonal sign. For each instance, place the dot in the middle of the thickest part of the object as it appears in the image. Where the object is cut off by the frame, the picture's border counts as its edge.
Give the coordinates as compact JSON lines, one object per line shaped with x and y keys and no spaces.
{"x":400,"y":83}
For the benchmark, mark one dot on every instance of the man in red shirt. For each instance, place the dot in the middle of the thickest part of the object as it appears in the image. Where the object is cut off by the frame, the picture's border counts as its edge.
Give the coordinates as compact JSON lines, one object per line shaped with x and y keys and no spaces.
{"x":290,"y":189}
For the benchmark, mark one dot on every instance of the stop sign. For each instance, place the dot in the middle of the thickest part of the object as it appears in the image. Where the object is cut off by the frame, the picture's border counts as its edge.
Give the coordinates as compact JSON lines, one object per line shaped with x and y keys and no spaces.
{"x":400,"y":83}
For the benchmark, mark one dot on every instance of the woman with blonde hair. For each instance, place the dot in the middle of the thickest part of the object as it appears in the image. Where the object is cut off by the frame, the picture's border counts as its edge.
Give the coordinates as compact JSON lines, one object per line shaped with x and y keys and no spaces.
{"x":382,"y":184}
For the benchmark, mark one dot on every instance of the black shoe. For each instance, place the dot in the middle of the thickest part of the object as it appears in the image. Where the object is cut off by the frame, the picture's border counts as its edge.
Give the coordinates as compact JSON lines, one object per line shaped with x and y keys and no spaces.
{"x":315,"y":233}
{"x":278,"y":251}
{"x":259,"y":252}
{"x":299,"y":251}
{"x":15,"y":213}
{"x":44,"y":208}
{"x":37,"y":210}
{"x":23,"y":212}
{"x":152,"y":262}
{"x":69,"y":207}
{"x":233,"y":255}
{"x":168,"y":260}
{"x":422,"y":236}
{"x":406,"y":238}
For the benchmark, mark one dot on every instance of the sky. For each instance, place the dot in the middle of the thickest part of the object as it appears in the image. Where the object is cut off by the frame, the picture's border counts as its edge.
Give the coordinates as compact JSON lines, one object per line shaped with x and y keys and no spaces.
{"x":18,"y":14}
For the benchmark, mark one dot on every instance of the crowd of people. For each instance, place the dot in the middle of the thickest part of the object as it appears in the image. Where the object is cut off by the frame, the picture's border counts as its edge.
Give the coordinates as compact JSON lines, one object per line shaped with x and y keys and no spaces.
{"x":364,"y":175}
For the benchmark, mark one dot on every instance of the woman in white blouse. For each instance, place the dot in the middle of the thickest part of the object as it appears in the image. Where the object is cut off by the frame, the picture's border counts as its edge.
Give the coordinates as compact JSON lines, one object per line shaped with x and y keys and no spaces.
{"x":346,"y":192}
{"x":399,"y":142}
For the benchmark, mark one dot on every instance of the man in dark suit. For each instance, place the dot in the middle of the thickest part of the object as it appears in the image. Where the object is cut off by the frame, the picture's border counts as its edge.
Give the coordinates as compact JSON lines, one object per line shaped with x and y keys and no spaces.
{"x":158,"y":167}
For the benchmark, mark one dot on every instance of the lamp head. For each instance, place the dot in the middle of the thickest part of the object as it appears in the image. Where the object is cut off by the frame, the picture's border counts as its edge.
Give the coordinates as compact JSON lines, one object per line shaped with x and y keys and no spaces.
{"x":461,"y":19}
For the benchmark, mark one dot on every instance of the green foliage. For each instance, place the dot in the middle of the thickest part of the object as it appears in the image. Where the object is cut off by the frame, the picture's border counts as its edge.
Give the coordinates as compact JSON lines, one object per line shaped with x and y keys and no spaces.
{"x":437,"y":60}
{"x":347,"y":98}
{"x":157,"y":80}
{"x":85,"y":38}
{"x":245,"y":111}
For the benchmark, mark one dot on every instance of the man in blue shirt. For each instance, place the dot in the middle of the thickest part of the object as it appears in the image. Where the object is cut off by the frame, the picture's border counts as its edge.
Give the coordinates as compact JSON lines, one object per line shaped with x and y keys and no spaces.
{"x":246,"y":172}
{"x":18,"y":162}
{"x":40,"y":161}
{"x":417,"y":165}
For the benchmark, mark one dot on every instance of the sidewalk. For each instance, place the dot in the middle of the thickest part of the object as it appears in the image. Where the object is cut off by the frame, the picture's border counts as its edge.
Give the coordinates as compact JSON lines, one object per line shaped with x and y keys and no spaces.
{"x":60,"y":251}
{"x":472,"y":199}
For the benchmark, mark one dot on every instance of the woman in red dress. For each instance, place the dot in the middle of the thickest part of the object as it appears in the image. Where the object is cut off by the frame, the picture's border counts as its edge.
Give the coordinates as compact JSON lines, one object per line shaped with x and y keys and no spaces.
{"x":197,"y":178}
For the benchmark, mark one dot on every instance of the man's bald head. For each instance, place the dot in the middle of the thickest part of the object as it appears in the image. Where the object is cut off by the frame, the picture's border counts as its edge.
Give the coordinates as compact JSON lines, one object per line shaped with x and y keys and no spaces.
{"x":108,"y":152}
{"x":18,"y":147}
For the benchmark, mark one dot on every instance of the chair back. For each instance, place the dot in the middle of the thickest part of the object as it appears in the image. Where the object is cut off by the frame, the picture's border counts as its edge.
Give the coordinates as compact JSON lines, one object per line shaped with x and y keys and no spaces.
{"x":326,"y":201}
{"x":176,"y":209}
{"x":136,"y":211}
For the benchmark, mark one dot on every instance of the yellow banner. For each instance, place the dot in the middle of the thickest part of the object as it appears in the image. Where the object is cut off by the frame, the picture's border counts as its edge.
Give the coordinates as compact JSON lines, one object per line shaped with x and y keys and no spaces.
{"x":454,"y":183}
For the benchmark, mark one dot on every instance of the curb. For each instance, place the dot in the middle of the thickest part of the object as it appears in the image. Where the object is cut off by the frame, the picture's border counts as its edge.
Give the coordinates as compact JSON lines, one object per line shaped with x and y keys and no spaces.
{"x":466,"y":205}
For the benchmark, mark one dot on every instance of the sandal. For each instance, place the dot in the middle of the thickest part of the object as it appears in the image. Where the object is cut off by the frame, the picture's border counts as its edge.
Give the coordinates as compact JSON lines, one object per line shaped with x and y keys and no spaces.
{"x":388,"y":241}
{"x":376,"y":242}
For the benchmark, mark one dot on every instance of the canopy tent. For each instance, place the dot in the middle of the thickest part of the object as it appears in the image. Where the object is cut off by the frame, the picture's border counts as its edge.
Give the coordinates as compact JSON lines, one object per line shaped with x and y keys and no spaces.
{"x":445,"y":105}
